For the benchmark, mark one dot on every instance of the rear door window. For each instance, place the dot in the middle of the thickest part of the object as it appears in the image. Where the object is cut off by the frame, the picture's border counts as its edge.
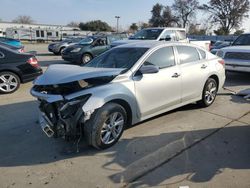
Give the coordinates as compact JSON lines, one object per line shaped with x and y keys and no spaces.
{"x":162,"y":58}
{"x":187,"y":54}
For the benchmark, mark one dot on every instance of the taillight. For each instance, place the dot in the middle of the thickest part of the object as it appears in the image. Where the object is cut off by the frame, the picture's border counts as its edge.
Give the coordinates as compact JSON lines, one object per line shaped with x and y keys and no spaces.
{"x":222,"y":62}
{"x":33,"y":61}
{"x":21,"y":50}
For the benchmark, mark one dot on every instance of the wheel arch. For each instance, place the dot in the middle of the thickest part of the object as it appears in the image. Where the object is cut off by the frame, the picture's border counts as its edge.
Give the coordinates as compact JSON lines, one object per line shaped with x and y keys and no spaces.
{"x":216,"y":78}
{"x":126,"y":106}
{"x":13,"y":71}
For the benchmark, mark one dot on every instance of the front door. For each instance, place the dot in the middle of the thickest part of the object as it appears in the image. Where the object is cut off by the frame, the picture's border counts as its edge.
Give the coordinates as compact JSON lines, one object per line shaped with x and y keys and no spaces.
{"x":99,"y":46}
{"x":158,"y":91}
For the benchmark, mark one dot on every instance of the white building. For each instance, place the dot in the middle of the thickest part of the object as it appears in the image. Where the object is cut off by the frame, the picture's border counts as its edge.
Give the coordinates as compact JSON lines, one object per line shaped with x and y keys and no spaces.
{"x":38,"y":31}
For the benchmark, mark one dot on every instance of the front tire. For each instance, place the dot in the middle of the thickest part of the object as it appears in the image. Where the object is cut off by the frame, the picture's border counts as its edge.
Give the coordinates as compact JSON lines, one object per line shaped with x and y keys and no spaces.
{"x":9,"y":82}
{"x":209,"y":93}
{"x":106,"y":126}
{"x":86,"y":58}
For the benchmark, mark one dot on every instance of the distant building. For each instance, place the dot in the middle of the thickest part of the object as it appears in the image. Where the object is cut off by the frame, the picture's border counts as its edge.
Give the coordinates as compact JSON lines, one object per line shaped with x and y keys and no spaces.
{"x":39,"y":31}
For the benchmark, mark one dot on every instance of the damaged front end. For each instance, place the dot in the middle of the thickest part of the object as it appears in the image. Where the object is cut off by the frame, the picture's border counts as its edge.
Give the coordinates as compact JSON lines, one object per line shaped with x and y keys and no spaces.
{"x":59,"y":115}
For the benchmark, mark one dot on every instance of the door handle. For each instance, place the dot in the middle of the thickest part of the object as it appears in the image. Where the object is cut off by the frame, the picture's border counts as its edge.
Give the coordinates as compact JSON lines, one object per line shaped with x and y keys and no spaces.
{"x":204,"y":66}
{"x":175,"y":75}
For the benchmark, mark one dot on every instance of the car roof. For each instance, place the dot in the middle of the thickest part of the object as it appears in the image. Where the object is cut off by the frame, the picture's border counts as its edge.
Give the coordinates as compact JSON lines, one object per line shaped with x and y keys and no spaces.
{"x":167,"y":28}
{"x":153,"y":44}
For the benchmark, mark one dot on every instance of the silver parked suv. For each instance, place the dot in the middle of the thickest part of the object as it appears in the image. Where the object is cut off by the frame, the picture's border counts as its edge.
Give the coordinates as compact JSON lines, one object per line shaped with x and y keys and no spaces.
{"x":124,"y":86}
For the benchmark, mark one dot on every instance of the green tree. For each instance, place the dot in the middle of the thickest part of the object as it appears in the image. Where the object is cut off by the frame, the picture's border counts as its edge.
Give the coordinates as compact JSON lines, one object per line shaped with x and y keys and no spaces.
{"x":168,"y":18}
{"x":239,"y":32}
{"x":156,"y":20}
{"x":162,"y":16}
{"x":133,"y":27}
{"x":23,"y":19}
{"x":227,"y":14}
{"x":96,"y":25}
{"x":185,"y":10}
{"x":73,"y":24}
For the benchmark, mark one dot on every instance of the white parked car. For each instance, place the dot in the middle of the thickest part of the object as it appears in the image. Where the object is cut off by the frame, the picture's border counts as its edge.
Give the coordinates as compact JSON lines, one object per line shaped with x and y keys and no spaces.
{"x":124,"y":86}
{"x":237,"y":56}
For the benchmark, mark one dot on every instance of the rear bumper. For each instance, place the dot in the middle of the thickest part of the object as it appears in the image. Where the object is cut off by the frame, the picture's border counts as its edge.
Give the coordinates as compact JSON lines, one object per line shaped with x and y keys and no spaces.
{"x":237,"y":65}
{"x":30,"y":77}
{"x":237,"y":68}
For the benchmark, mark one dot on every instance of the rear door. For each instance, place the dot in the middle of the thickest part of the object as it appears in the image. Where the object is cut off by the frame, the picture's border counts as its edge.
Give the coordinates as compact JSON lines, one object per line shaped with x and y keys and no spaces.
{"x":194,"y":71}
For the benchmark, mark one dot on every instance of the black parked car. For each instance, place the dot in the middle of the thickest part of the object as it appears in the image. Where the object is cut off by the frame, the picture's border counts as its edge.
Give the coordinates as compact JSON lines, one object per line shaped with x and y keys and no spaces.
{"x":16,"y":68}
{"x":89,"y":48}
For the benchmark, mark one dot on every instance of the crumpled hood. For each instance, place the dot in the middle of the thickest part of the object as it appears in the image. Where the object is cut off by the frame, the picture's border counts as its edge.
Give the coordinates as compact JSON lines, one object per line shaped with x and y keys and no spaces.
{"x":59,"y":74}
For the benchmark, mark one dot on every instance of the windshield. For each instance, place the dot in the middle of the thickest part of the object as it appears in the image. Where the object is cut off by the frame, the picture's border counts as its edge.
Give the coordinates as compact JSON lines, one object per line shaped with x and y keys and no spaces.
{"x":87,"y":40}
{"x":242,"y":40}
{"x":118,"y":58}
{"x":147,"y":34}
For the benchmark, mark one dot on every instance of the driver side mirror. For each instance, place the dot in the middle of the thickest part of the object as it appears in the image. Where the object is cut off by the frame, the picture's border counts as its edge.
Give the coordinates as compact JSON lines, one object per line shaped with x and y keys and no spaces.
{"x":148,"y":69}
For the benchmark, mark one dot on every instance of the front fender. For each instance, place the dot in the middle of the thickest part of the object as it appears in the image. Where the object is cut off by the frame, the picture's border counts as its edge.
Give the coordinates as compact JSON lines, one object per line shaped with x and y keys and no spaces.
{"x":103,"y":94}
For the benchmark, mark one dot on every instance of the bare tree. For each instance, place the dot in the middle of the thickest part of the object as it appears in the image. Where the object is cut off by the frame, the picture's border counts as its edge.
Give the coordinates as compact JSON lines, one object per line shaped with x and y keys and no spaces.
{"x":185,"y":10}
{"x":228,"y":14}
{"x":23,"y":19}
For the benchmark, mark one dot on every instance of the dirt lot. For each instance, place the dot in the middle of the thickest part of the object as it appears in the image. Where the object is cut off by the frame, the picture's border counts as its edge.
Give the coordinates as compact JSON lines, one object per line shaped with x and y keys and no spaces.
{"x":190,"y":146}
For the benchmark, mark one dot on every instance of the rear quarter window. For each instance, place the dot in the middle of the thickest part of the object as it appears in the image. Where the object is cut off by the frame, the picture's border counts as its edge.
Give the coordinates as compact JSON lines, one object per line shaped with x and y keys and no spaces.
{"x":202,"y":53}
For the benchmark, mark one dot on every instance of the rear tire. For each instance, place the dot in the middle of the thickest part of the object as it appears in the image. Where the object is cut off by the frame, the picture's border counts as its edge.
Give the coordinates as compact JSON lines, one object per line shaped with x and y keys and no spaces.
{"x":60,"y":51}
{"x":209,"y":93}
{"x":106,"y":126}
{"x":9,"y":82}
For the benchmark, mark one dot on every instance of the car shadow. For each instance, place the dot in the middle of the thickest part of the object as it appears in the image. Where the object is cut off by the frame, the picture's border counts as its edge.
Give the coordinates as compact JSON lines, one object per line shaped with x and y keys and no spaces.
{"x":46,"y":54}
{"x":47,"y":63}
{"x":24,"y":144}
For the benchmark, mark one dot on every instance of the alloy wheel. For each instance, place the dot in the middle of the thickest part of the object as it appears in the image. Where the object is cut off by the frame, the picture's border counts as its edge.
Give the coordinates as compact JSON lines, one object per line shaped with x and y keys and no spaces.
{"x":211,"y":92}
{"x":8,"y":83}
{"x":112,"y":128}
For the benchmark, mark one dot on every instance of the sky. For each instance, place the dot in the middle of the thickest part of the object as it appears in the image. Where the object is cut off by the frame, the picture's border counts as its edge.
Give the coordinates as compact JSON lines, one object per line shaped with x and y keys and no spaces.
{"x":64,"y":11}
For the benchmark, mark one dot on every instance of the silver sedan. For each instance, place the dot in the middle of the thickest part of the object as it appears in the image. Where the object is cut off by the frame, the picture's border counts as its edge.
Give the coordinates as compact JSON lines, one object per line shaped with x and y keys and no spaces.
{"x":124,"y":86}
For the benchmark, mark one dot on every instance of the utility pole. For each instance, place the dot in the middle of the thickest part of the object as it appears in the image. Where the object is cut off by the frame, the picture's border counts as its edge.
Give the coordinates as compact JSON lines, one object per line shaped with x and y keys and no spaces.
{"x":117,"y":23}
